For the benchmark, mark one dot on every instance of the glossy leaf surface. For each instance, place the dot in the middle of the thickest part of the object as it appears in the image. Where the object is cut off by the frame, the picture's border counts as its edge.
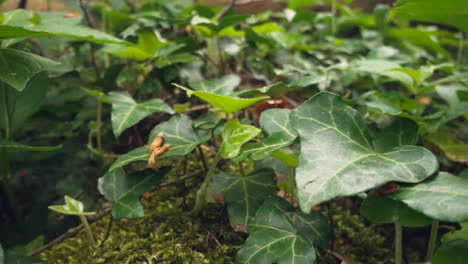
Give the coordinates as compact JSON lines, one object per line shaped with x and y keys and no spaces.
{"x":234,"y":136}
{"x":71,"y":207}
{"x":126,"y":112}
{"x":338,"y":159}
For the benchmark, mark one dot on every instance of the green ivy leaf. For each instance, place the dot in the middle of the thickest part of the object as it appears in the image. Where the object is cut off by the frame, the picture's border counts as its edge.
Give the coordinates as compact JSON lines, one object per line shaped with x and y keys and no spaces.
{"x":182,"y":57}
{"x":138,"y":154}
{"x":461,"y":234}
{"x":337,"y":157}
{"x":243,"y":195}
{"x":16,"y":147}
{"x":221,"y":86}
{"x":124,"y":190}
{"x":279,"y":134}
{"x":126,"y":112}
{"x":275,"y":239}
{"x":443,"y":197}
{"x":452,"y":148}
{"x":18,"y":67}
{"x":453,"y":252}
{"x":234,"y":136}
{"x":381,"y":209}
{"x":386,"y":68}
{"x":71,"y":207}
{"x":228,"y":104}
{"x":179,"y":132}
{"x":273,"y":90}
{"x":146,"y":48}
{"x":400,"y":133}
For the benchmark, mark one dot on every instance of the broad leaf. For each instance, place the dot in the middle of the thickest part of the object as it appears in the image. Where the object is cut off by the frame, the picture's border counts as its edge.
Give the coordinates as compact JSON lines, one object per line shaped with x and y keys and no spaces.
{"x":138,"y":154}
{"x":385,"y":68}
{"x":443,"y":197}
{"x":453,"y":252}
{"x":274,"y":238}
{"x":452,"y":148}
{"x":279,"y":134}
{"x":18,"y":67}
{"x":381,"y":209}
{"x":126,"y":112}
{"x":243,"y":195}
{"x":10,"y":146}
{"x":400,"y":133}
{"x":124,"y":190}
{"x":337,"y":157}
{"x":182,"y":57}
{"x":50,"y":24}
{"x":234,"y":136}
{"x":274,"y":90}
{"x":222,"y":86}
{"x":146,"y":48}
{"x":313,"y":226}
{"x":71,"y":207}
{"x":228,"y":104}
{"x":178,"y":132}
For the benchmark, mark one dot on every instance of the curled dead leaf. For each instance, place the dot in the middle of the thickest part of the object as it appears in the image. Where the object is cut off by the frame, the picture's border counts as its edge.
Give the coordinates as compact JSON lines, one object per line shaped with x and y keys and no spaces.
{"x":157,"y":152}
{"x":386,"y":189}
{"x":157,"y":142}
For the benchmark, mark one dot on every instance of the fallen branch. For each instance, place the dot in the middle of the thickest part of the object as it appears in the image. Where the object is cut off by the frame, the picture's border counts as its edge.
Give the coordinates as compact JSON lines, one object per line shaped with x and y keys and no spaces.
{"x":75,"y":230}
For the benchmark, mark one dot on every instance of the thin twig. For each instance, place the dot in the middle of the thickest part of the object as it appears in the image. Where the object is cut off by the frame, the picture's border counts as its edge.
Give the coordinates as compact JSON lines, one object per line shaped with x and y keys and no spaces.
{"x":202,"y":156}
{"x":225,"y":11}
{"x":109,"y":227}
{"x":75,"y":230}
{"x":197,"y":108}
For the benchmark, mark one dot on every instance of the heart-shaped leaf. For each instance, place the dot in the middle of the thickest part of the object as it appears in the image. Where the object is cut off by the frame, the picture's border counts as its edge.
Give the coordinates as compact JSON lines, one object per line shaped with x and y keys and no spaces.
{"x":138,"y":154}
{"x":234,"y":136}
{"x":337,"y":157}
{"x":126,"y":112}
{"x":222,"y":86}
{"x":124,"y":190}
{"x":279,"y":134}
{"x":18,"y":67}
{"x":71,"y":207}
{"x":243,"y":195}
{"x":276,"y":236}
{"x":15,"y":147}
{"x":443,"y":197}
{"x":180,"y":134}
{"x":381,"y":209}
{"x":228,"y":104}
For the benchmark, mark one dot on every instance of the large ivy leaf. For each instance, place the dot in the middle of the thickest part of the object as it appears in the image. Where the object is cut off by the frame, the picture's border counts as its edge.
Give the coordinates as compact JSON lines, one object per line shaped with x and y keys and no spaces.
{"x":449,"y":12}
{"x":18,"y":67}
{"x":71,"y":207}
{"x":221,"y":86}
{"x":274,"y":238}
{"x":337,"y":157}
{"x":381,"y":209}
{"x":400,"y":133}
{"x":243,"y":195}
{"x":452,"y":148}
{"x":228,"y":104}
{"x":453,"y":252}
{"x":124,"y":190}
{"x":179,"y":132}
{"x":16,"y":147}
{"x":27,"y":24}
{"x":138,"y":154}
{"x":443,"y":197}
{"x":279,"y":134}
{"x":126,"y":112}
{"x":234,"y":136}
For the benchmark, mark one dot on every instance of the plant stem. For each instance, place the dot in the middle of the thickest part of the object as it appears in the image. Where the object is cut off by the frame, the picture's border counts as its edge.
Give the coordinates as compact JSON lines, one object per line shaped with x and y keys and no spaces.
{"x":432,"y":240}
{"x":99,"y":124}
{"x":460,"y":51}
{"x":292,"y":185}
{"x":398,"y":243}
{"x":88,"y":230}
{"x":202,"y":157}
{"x":201,"y":194}
{"x":5,"y":112}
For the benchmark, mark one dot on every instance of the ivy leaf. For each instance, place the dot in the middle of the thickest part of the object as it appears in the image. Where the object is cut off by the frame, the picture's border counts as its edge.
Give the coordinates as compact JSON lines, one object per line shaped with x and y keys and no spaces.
{"x":126,"y":112}
{"x":277,"y":126}
{"x":453,"y":252}
{"x":179,"y":132}
{"x":400,"y":133}
{"x":221,"y":86}
{"x":18,"y":67}
{"x":381,"y":209}
{"x":124,"y":190}
{"x":337,"y":157}
{"x":138,"y":154}
{"x":16,"y":147}
{"x":71,"y":207}
{"x":274,"y":238}
{"x":234,"y":136}
{"x":146,"y":48}
{"x":313,"y":227}
{"x":386,"y":68}
{"x":443,"y":197}
{"x":243,"y":195}
{"x":228,"y":104}
{"x":452,"y":148}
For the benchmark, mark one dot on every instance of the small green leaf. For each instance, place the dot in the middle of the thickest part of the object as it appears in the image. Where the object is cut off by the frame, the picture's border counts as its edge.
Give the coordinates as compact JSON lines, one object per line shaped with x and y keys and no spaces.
{"x":71,"y":207}
{"x":228,"y":104}
{"x":452,"y":148}
{"x":126,"y":112}
{"x":243,"y":195}
{"x":148,"y":44}
{"x":180,"y":134}
{"x":234,"y":136}
{"x":461,"y":234}
{"x":453,"y":252}
{"x":182,"y":57}
{"x":124,"y":190}
{"x":274,"y":90}
{"x":18,"y":67}
{"x":288,"y":158}
{"x":381,"y":209}
{"x":443,"y":197}
{"x":337,"y":156}
{"x":138,"y":154}
{"x":221,"y":86}
{"x":17,"y":147}
{"x":385,"y":68}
